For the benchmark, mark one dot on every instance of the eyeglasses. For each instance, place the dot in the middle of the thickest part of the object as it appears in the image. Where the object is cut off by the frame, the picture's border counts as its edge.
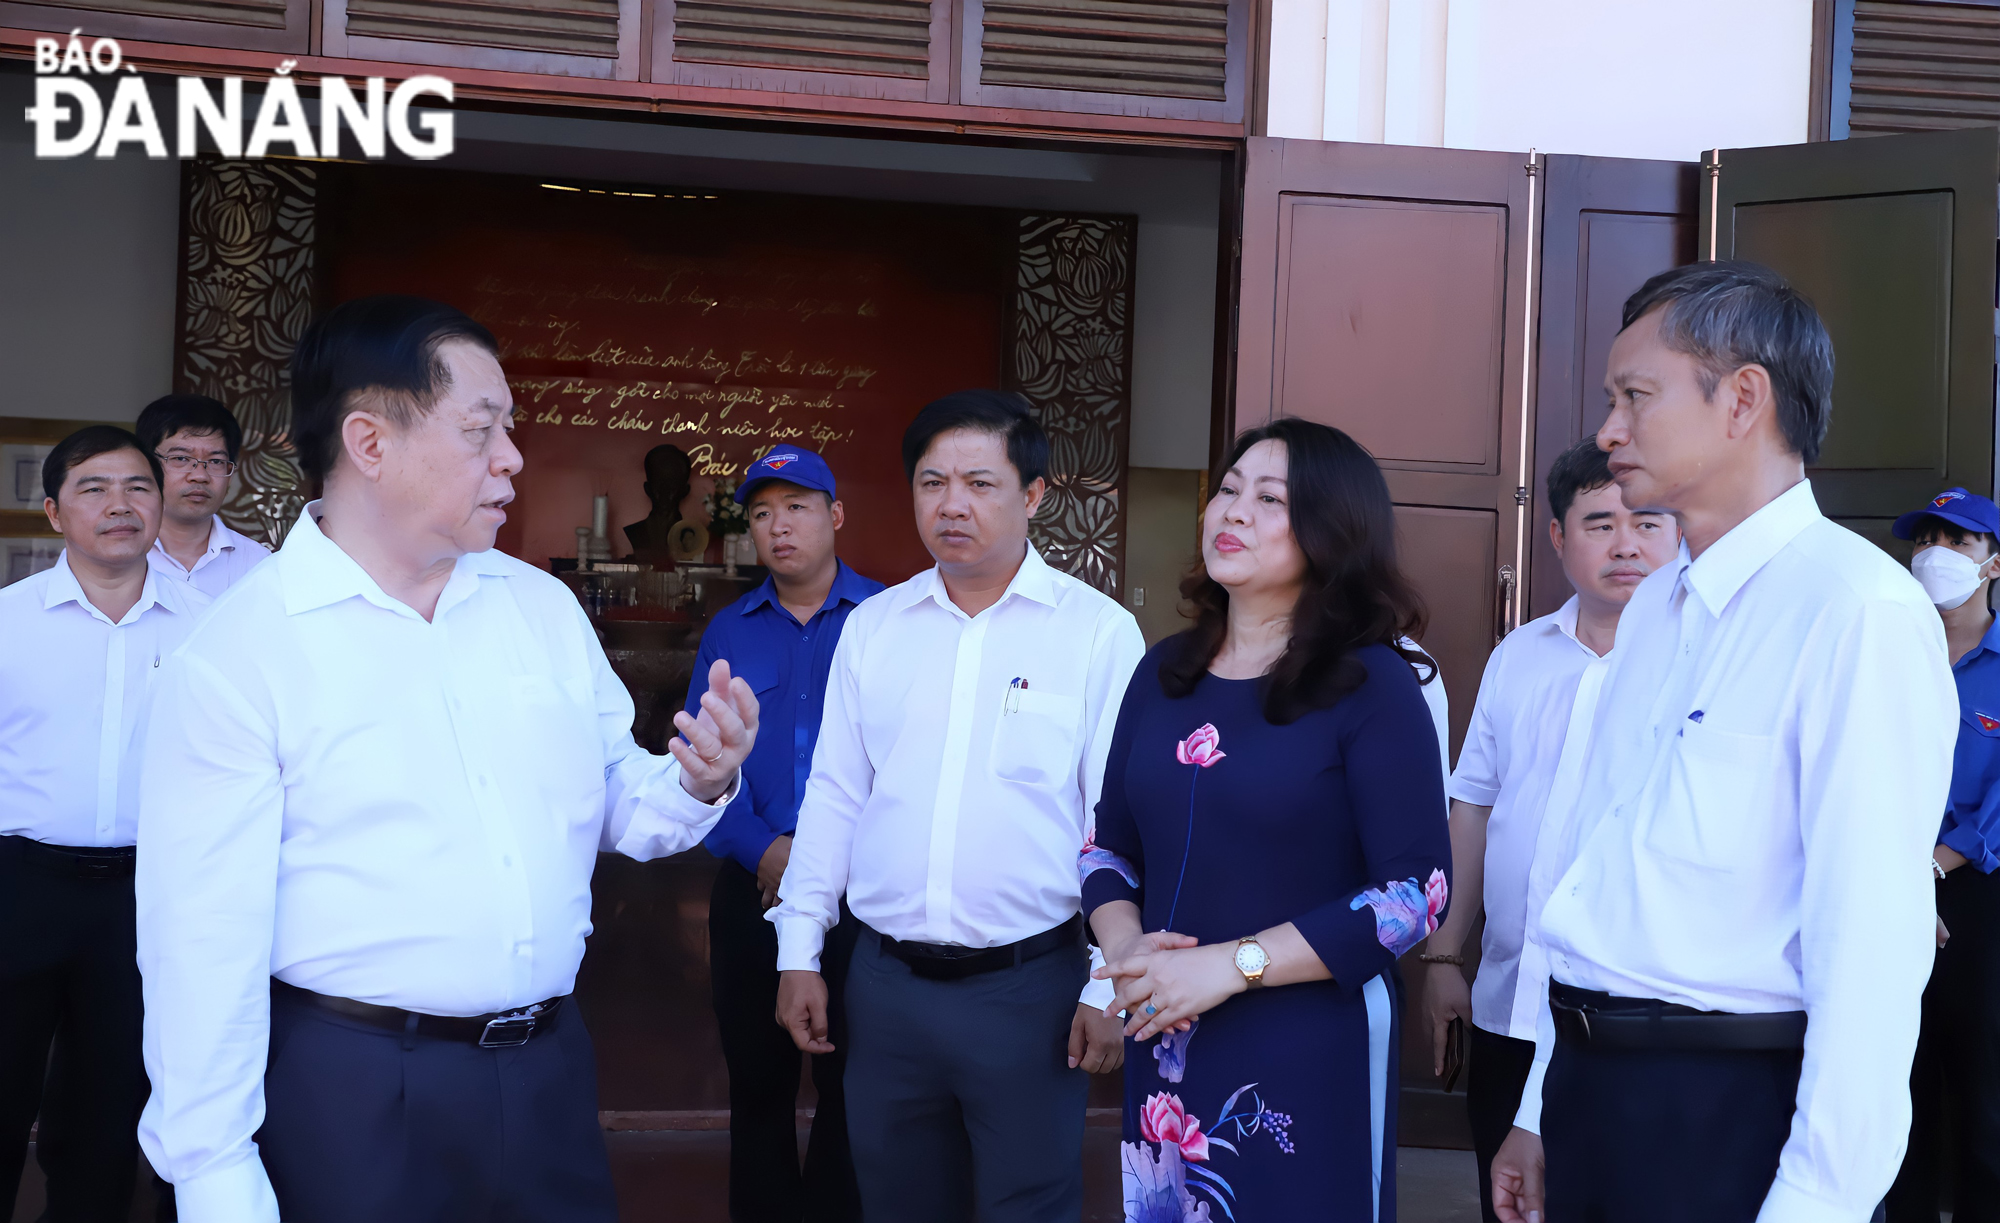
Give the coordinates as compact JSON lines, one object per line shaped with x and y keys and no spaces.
{"x":188,"y":463}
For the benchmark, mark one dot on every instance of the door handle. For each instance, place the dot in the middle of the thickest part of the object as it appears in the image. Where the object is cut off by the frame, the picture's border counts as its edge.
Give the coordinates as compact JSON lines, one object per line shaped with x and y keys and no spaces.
{"x":1505,"y":603}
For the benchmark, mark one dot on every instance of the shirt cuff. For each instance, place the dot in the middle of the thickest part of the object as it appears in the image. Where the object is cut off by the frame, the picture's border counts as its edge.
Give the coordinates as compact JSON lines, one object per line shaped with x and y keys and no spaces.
{"x":1097,"y":994}
{"x":1787,"y":1203}
{"x":1529,"y":1118}
{"x":236,"y":1193}
{"x":1967,"y":841}
{"x":1471,"y":792}
{"x":687,"y":801}
{"x":800,"y":940}
{"x":750,"y":854}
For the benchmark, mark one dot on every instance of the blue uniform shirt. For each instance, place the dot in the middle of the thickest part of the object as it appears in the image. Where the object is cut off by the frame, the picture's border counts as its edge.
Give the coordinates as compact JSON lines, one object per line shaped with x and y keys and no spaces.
{"x":1972,"y":819}
{"x":786,"y":665}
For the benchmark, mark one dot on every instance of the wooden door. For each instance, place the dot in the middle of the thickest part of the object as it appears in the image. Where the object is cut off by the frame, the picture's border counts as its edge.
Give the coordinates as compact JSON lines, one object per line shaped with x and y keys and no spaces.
{"x":1892,"y":238}
{"x":1384,"y":292}
{"x":1608,"y":224}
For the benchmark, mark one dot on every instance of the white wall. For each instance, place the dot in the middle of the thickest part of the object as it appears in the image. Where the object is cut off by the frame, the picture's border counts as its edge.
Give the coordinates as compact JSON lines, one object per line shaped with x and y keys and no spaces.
{"x":1614,"y":78}
{"x":87,"y":267}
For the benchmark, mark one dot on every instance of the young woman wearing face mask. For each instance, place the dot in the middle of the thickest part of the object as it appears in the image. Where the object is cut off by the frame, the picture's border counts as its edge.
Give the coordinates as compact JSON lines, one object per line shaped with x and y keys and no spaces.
{"x":1957,"y":1067}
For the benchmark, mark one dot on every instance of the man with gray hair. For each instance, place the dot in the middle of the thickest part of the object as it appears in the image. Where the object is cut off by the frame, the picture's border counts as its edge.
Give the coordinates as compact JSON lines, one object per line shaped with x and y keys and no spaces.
{"x":1738,"y":946}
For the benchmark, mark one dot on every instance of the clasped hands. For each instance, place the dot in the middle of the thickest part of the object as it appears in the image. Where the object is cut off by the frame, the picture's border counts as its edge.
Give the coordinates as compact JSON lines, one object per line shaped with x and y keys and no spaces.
{"x":1175,"y":975}
{"x":712,"y":747}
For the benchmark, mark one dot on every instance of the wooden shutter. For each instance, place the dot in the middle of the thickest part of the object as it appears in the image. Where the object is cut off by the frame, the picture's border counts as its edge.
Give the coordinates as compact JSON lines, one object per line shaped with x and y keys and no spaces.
{"x":268,"y":14}
{"x":860,"y":37}
{"x":1922,"y":67}
{"x":248,"y":25}
{"x":1608,"y":224}
{"x":576,"y":38}
{"x":1167,"y":49}
{"x":1167,"y":59}
{"x":1892,"y":240}
{"x":570,"y":27}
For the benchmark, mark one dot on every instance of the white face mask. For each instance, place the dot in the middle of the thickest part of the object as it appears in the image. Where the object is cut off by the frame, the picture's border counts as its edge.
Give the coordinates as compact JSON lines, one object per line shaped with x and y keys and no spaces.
{"x":1948,"y":577}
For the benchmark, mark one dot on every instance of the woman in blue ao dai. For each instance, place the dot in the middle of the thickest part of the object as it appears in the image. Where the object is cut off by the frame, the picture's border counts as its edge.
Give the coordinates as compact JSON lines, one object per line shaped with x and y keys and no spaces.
{"x":1270,"y":838}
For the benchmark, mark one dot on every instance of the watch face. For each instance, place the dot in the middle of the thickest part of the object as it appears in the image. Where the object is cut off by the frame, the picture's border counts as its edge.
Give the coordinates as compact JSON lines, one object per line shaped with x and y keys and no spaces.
{"x":1251,"y":958}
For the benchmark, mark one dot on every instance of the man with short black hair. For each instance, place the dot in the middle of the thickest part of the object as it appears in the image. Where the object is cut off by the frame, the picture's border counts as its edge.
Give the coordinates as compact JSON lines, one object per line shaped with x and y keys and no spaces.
{"x":371,"y":824}
{"x":1738,"y":946}
{"x":780,"y":638}
{"x":1522,"y":756}
{"x":197,"y":441}
{"x":1957,"y":1066}
{"x":82,"y":643}
{"x":967,"y":722}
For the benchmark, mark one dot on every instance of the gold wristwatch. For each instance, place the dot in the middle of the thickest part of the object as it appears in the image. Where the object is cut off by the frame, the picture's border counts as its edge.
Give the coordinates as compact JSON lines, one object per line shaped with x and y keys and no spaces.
{"x":1252,"y":960}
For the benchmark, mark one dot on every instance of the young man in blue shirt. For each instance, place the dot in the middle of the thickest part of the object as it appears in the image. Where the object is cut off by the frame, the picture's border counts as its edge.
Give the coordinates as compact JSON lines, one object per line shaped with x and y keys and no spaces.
{"x":1957,"y":1066}
{"x":780,"y":638}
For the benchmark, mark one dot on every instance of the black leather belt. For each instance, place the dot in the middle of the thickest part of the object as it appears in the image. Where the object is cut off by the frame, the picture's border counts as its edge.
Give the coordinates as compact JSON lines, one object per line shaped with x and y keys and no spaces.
{"x":500,"y":1030}
{"x":1605,"y":1021}
{"x":77,"y":861}
{"x":944,"y":962}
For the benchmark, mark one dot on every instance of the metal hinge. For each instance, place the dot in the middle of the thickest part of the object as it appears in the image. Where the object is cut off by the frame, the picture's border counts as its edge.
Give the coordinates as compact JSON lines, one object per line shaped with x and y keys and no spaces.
{"x":1520,"y":495}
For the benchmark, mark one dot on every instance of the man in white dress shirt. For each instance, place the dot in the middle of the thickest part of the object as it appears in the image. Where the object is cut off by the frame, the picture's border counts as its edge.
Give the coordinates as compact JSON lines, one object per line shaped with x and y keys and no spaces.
{"x":1523,"y":755}
{"x":1738,"y":949}
{"x":961,"y":751}
{"x":197,"y":441}
{"x":82,"y":644}
{"x":371,"y":824}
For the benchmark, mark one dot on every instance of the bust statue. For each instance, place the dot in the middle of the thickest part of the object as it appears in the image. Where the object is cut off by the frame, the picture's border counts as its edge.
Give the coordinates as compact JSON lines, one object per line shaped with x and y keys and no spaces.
{"x":667,"y":485}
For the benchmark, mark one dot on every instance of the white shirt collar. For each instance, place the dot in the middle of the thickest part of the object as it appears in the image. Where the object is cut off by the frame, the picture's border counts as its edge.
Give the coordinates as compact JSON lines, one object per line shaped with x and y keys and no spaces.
{"x":1033,"y":580}
{"x":63,"y":587}
{"x":1734,"y":559}
{"x":318,"y":573}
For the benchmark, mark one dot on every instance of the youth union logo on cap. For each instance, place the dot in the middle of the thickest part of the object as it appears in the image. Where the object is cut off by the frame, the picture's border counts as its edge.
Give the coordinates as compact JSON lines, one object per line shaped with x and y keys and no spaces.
{"x":1987,"y":722}
{"x":1945,"y":498}
{"x":776,"y":461}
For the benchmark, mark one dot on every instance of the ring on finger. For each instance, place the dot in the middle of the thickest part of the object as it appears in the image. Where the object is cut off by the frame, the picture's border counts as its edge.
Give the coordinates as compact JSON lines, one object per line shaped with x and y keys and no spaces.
{"x":711,"y":759}
{"x":1151,"y":1009}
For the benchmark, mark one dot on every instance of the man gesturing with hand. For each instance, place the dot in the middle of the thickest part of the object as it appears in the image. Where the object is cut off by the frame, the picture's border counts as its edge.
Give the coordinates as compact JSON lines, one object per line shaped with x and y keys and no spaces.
{"x":371,"y":820}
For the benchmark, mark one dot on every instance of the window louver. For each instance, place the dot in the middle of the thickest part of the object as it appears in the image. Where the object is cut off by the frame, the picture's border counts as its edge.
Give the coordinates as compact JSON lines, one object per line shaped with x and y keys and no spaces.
{"x":1922,"y":67}
{"x":569,"y":27}
{"x":1175,"y":49}
{"x":857,"y":37}
{"x":267,"y":14}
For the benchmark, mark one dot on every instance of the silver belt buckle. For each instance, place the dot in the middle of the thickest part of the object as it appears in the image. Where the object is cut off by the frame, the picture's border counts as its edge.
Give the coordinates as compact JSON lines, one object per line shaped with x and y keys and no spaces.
{"x":507,"y":1031}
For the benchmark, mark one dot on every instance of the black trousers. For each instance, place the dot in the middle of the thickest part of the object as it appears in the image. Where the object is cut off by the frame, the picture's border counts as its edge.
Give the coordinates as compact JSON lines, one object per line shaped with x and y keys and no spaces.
{"x":1664,"y":1136}
{"x":765,"y":1183}
{"x":1494,"y":1077}
{"x":365,"y":1124}
{"x":1957,"y":1067}
{"x":959,"y":1093}
{"x":71,"y":1014}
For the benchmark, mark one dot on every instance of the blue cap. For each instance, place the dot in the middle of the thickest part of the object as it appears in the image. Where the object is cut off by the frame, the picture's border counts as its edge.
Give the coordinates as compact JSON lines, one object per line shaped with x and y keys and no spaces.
{"x":1969,"y":511}
{"x":790,"y":464}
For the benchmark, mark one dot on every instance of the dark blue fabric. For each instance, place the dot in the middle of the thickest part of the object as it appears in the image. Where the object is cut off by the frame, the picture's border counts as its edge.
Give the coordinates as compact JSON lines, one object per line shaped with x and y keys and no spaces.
{"x":362,"y":1123}
{"x":1972,"y":818}
{"x":786,"y":665}
{"x":1291,"y":824}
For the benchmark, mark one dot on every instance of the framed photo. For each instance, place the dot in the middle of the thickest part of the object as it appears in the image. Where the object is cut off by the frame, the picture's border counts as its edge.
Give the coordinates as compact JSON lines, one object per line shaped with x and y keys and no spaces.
{"x":21,"y":474}
{"x":20,"y":557}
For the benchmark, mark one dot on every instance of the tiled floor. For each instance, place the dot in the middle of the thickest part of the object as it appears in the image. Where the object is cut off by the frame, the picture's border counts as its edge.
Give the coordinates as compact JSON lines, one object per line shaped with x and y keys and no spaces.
{"x":678,"y":1176}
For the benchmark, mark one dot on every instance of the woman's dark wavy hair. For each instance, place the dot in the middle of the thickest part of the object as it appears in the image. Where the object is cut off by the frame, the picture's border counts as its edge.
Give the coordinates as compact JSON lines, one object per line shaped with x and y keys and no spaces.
{"x":1355,"y":594}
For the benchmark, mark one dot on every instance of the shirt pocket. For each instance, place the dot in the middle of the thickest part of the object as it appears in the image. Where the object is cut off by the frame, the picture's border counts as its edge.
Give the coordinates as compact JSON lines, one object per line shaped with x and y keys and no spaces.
{"x":1716,"y":807}
{"x":1036,"y":740}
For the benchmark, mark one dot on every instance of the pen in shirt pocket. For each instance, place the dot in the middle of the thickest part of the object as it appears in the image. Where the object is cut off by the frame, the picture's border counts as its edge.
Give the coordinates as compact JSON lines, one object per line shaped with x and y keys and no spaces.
{"x":1014,"y":690}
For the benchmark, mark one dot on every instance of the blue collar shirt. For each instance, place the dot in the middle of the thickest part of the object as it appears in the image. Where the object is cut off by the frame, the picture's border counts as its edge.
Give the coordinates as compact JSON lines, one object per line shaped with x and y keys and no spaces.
{"x":1972,"y":817}
{"x":786,"y":664}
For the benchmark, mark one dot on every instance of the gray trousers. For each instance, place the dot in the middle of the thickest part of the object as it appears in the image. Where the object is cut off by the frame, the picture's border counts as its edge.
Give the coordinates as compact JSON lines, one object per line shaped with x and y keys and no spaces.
{"x":960,"y":1100}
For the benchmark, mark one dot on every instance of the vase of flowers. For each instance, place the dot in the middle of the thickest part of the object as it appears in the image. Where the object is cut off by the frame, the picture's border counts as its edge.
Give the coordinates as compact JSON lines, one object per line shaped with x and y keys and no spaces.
{"x":727,"y":520}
